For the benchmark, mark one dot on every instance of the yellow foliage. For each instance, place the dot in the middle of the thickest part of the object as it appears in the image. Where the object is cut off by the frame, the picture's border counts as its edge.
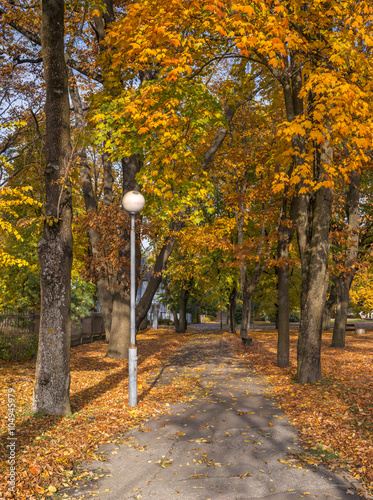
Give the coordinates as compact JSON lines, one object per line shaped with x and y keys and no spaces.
{"x":10,"y":198}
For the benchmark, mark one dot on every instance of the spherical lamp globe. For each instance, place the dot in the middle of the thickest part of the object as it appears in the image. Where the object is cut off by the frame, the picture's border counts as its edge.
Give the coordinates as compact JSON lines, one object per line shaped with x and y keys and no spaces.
{"x":133,"y":202}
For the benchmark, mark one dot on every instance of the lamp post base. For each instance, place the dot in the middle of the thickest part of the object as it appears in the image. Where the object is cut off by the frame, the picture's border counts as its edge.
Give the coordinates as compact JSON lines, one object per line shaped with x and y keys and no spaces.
{"x":132,"y":376}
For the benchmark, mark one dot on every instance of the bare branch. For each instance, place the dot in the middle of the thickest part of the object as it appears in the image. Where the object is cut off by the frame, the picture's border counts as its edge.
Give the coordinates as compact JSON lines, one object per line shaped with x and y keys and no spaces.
{"x":17,"y":61}
{"x":35,"y":38}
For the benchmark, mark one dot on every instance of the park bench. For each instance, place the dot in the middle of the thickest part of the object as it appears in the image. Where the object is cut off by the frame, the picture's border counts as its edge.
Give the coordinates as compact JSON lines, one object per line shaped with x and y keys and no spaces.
{"x":351,"y":327}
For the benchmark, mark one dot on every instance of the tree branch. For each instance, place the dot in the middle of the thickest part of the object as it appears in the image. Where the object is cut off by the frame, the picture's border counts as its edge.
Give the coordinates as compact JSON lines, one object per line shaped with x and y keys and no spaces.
{"x":35,"y":38}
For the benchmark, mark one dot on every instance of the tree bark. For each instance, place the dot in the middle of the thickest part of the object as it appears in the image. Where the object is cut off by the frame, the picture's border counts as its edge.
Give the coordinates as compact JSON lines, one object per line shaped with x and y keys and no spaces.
{"x":232,"y":310}
{"x":283,"y":283}
{"x":120,"y":333}
{"x":329,"y":305}
{"x":246,"y":310}
{"x":171,"y":305}
{"x":90,"y":202}
{"x":313,"y":239}
{"x":120,"y":326}
{"x":347,"y":276}
{"x":283,"y":342}
{"x":312,"y":220}
{"x":294,"y":107}
{"x":341,"y":310}
{"x":248,"y":285}
{"x":52,"y":384}
{"x":184,"y":295}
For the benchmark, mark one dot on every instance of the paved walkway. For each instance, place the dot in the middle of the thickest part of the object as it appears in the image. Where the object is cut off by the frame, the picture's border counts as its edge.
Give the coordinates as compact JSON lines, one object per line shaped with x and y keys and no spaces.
{"x":232,"y":444}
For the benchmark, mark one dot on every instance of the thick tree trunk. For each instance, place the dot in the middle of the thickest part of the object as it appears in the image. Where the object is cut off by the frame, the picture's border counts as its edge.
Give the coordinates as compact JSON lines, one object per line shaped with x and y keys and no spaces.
{"x":313,"y":217}
{"x":232,"y":310}
{"x":346,"y":278}
{"x":120,"y":326}
{"x":326,"y":317}
{"x":52,"y":384}
{"x":314,"y":287}
{"x":313,"y":238}
{"x":283,"y":281}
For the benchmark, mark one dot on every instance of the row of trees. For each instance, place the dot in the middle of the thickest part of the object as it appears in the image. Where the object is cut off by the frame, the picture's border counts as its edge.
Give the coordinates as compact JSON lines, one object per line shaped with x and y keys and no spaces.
{"x":246,"y":124}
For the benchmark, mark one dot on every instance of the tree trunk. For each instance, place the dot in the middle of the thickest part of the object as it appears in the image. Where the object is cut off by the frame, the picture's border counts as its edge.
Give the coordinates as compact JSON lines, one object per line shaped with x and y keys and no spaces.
{"x":283,"y":280}
{"x":329,"y":305}
{"x":313,"y":217}
{"x":176,"y":319}
{"x":248,"y":286}
{"x":314,"y":214}
{"x":52,"y":384}
{"x":283,"y":342}
{"x":326,"y":317}
{"x":120,"y":332}
{"x":102,"y":283}
{"x":346,"y":278}
{"x":291,"y":86}
{"x":246,"y":314}
{"x":232,"y":310}
{"x":145,"y":302}
{"x":341,"y":311}
{"x":171,"y":305}
{"x":184,"y":295}
{"x":120,"y":326}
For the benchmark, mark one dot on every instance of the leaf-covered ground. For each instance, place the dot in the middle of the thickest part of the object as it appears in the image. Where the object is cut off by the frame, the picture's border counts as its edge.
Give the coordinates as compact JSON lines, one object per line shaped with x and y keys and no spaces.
{"x":334,"y":417}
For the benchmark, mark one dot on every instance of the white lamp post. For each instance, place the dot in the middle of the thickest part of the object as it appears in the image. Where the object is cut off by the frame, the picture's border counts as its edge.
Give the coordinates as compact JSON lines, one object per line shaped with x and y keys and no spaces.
{"x":133,"y":202}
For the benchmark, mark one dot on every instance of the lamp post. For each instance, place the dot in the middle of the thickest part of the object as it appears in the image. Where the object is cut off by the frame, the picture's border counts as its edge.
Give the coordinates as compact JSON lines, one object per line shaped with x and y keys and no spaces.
{"x":133,"y":202}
